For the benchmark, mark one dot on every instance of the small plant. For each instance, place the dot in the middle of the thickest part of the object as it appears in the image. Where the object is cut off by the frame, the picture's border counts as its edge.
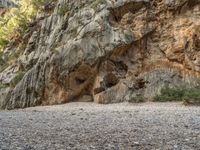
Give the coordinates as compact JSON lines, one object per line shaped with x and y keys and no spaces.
{"x":3,"y":63}
{"x":137,"y":99}
{"x":170,"y":94}
{"x":38,"y":4}
{"x":97,"y":3}
{"x":179,"y":94}
{"x":3,"y":43}
{"x":16,"y":79}
{"x":63,"y":9}
{"x":192,"y":94}
{"x":1,"y":54}
{"x":21,"y":47}
{"x":3,"y":86}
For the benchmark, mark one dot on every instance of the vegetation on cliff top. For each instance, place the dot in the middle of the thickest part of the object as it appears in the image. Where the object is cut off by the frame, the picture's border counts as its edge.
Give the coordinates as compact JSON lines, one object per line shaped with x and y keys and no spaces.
{"x":14,"y":23}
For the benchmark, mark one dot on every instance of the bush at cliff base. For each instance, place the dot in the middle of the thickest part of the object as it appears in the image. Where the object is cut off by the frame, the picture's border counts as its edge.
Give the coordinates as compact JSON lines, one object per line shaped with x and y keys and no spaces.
{"x":179,"y":94}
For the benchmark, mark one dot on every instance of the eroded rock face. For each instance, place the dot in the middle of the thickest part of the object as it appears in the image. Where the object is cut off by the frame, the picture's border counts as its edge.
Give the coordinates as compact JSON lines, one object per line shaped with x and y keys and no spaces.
{"x":6,"y":3}
{"x":107,"y":52}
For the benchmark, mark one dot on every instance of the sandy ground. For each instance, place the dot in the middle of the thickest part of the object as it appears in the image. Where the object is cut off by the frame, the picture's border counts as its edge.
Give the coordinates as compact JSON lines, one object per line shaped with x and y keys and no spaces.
{"x":91,"y":126}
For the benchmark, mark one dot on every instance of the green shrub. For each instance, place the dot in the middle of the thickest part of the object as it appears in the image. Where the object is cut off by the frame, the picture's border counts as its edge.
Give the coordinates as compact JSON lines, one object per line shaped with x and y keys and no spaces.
{"x":179,"y":94}
{"x":137,"y":99}
{"x":192,"y":94}
{"x":3,"y":63}
{"x":16,"y":79}
{"x":3,"y":86}
{"x":97,"y":3}
{"x":63,"y":9}
{"x":39,"y":3}
{"x":170,"y":94}
{"x":3,"y":42}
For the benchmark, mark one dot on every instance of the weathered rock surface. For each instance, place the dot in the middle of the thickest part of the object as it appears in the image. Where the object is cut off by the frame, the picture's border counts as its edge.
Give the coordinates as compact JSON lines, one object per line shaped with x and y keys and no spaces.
{"x":6,"y":3}
{"x":106,"y":51}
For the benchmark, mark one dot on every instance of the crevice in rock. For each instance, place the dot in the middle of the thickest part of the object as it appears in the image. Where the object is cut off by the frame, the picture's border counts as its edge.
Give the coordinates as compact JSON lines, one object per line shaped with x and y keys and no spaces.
{"x":79,"y":82}
{"x":192,"y":3}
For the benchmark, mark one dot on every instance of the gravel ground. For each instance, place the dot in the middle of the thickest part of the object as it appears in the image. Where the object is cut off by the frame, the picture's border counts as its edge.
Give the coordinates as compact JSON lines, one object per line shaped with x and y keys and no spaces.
{"x":91,"y":126}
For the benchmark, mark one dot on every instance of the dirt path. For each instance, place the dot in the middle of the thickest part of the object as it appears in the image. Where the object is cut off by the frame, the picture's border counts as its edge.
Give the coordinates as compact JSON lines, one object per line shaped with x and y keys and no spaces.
{"x":91,"y":126}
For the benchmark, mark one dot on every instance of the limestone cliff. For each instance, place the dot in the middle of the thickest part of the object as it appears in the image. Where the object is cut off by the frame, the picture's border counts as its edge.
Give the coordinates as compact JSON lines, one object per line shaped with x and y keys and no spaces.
{"x":6,"y":3}
{"x":105,"y":51}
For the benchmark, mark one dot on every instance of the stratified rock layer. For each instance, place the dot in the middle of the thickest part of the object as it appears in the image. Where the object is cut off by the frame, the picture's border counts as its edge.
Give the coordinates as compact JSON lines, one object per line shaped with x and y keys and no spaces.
{"x":106,"y":51}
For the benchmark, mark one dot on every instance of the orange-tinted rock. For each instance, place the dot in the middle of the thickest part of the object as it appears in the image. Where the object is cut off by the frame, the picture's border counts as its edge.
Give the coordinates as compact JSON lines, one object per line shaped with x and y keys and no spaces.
{"x":108,"y":53}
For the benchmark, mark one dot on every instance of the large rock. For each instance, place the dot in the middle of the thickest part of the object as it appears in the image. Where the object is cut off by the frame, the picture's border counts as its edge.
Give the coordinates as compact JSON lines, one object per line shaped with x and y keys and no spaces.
{"x":107,"y":51}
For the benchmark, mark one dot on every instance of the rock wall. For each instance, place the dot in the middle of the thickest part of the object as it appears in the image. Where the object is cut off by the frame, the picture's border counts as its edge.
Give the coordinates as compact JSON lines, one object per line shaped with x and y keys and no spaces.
{"x":106,"y":51}
{"x":6,"y":3}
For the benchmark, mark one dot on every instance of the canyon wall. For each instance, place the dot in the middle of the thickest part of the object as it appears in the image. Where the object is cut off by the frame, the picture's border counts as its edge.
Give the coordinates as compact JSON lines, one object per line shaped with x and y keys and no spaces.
{"x":6,"y":3}
{"x":106,"y":51}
